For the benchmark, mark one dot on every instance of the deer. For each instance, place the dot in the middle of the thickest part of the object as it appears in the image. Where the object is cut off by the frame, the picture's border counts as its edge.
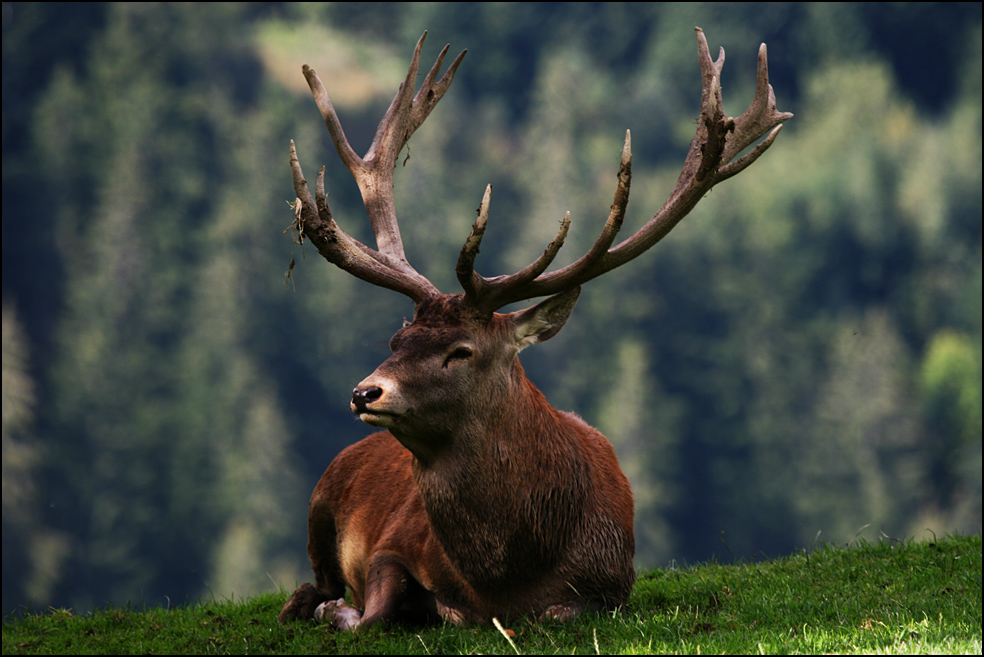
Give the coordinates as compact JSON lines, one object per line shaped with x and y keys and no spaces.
{"x":477,"y":500}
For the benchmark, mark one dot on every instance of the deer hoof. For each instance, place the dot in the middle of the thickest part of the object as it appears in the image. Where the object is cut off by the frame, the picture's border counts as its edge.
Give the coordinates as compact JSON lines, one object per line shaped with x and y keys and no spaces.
{"x":340,"y":614}
{"x":564,"y":611}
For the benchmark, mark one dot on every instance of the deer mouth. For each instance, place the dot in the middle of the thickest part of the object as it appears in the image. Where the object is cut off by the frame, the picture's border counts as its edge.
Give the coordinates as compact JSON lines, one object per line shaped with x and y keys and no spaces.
{"x":378,"y":418}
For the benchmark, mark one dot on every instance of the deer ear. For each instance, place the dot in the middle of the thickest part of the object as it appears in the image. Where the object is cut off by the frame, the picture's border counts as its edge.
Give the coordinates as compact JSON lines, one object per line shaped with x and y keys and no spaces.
{"x":545,"y":319}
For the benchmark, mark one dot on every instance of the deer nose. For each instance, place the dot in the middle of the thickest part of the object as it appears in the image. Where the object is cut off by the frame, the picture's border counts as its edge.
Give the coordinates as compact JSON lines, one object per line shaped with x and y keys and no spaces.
{"x":361,"y":397}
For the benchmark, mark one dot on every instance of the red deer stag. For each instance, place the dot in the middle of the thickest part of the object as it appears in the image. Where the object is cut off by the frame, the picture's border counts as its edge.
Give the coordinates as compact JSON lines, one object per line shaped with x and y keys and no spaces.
{"x":478,"y":499}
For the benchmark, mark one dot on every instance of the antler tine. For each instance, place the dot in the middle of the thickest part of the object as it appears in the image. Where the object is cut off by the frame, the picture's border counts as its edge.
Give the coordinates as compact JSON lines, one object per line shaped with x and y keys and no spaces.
{"x":608,"y":234}
{"x":465,"y":269}
{"x":429,"y":94}
{"x":719,"y":138}
{"x":345,"y":151}
{"x":761,"y":115}
{"x":408,"y":111}
{"x":394,"y":121}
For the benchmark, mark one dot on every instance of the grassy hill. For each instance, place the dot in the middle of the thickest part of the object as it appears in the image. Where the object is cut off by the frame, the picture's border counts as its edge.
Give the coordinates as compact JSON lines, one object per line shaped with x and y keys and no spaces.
{"x":916,"y":597}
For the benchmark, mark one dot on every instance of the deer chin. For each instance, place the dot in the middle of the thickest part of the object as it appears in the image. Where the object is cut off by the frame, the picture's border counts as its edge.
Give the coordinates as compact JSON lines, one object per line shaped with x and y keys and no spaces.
{"x":381,"y":419}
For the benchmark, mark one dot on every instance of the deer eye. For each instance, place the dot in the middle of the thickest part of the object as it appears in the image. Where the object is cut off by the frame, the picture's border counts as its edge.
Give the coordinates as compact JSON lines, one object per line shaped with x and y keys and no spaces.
{"x":461,"y":353}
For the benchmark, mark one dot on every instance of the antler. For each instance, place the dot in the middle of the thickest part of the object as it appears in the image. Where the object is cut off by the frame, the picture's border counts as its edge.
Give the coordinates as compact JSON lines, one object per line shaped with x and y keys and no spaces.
{"x":387,"y":266}
{"x":718,"y":140}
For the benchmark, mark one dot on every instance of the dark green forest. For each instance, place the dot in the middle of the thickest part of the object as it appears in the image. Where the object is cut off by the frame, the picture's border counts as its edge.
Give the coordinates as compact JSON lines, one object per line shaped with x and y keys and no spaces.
{"x":799,"y":362}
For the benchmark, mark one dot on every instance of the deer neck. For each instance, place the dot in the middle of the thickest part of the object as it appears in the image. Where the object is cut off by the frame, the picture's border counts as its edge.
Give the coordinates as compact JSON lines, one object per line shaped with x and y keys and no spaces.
{"x":490,"y":493}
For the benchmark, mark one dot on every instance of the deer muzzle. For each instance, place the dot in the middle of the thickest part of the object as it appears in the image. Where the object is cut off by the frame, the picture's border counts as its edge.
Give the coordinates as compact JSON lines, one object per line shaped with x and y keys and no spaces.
{"x":378,"y":403}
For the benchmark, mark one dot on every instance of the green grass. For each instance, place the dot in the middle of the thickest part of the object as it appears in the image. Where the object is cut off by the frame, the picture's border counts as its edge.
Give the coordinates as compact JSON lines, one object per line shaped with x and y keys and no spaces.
{"x":883,"y":598}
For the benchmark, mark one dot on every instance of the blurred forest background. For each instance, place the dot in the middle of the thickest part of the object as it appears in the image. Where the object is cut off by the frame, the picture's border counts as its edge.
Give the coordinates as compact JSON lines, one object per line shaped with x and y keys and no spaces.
{"x":798,"y":362}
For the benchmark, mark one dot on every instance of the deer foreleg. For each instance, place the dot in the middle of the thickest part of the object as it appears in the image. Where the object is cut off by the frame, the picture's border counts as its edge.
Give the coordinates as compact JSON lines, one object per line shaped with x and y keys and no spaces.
{"x":392,"y":594}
